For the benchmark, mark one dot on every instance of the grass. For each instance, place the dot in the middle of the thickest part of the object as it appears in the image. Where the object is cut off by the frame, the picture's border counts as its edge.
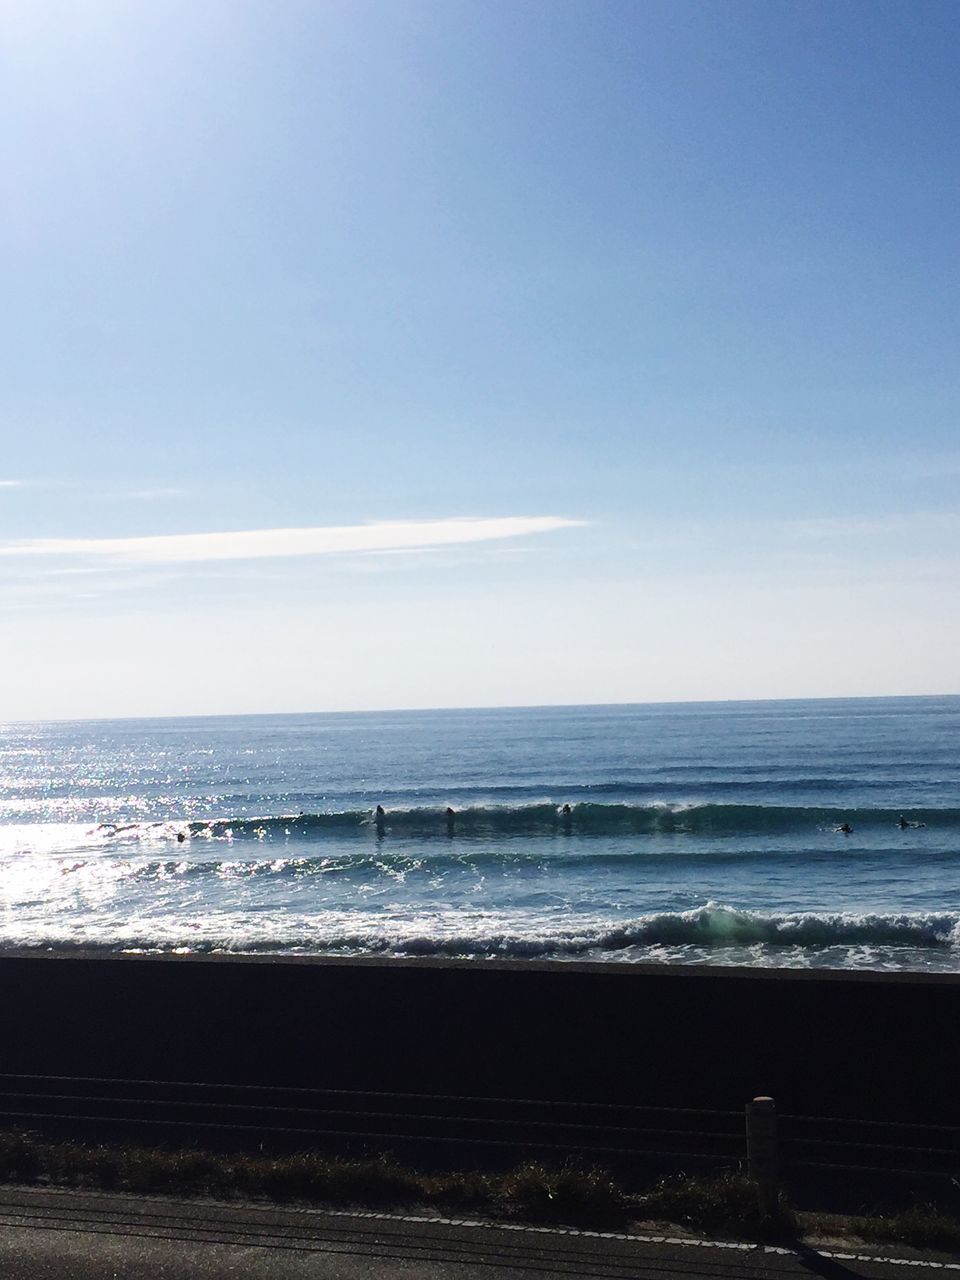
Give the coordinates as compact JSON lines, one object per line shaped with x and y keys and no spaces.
{"x":726,"y":1204}
{"x":922,"y":1227}
{"x":570,"y":1193}
{"x":532,"y":1191}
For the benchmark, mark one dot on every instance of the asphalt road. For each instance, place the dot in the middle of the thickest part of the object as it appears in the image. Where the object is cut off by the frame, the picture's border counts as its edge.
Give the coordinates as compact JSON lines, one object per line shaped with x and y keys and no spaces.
{"x":51,"y":1234}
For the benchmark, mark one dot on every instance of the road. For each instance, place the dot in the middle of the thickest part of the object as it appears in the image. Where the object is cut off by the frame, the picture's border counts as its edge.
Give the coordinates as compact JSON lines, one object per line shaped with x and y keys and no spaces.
{"x":51,"y":1234}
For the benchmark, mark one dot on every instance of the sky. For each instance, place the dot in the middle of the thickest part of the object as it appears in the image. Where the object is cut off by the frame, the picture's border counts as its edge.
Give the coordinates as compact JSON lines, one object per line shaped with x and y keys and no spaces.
{"x":416,"y":353}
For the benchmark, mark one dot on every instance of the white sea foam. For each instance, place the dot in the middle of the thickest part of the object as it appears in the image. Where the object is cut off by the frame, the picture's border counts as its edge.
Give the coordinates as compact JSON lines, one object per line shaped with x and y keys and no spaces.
{"x":713,"y":933}
{"x":694,"y":834}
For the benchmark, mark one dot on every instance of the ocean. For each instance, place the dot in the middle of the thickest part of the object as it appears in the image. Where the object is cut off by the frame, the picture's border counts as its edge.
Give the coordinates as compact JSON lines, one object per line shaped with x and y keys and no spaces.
{"x":695,"y":833}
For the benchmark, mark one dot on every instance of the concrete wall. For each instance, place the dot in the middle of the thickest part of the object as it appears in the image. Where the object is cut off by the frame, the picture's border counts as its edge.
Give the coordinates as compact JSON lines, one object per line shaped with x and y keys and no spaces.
{"x":856,"y":1044}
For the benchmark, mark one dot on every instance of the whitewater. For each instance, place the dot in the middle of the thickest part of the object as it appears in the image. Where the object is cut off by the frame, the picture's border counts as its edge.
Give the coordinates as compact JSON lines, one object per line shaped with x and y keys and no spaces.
{"x":707,"y":833}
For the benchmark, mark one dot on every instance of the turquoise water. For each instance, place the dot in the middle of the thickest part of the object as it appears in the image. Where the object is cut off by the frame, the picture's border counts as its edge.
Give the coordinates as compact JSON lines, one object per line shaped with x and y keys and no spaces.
{"x":696,"y":833}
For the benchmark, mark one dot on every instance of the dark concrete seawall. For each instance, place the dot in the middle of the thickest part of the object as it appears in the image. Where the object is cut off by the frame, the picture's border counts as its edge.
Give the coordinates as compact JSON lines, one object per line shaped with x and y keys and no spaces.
{"x":871,"y":1045}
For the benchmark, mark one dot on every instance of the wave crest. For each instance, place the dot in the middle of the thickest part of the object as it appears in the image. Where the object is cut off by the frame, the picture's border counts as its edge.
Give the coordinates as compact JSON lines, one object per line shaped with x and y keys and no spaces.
{"x":710,"y":933}
{"x":537,"y":819}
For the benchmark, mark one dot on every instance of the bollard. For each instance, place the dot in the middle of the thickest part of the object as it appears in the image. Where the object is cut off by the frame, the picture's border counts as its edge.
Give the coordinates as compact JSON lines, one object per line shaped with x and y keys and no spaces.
{"x":762,"y":1152}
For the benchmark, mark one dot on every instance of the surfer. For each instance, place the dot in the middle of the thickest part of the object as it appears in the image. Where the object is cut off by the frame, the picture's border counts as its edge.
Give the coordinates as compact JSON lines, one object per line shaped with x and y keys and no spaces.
{"x":566,"y":811}
{"x":450,"y":815}
{"x":379,"y":817}
{"x":845,"y":828}
{"x":903,"y":823}
{"x":180,"y":837}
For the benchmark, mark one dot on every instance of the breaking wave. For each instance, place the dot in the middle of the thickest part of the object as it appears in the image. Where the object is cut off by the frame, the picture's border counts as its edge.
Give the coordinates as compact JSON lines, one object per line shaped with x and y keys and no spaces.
{"x":704,"y":933}
{"x":539,"y":819}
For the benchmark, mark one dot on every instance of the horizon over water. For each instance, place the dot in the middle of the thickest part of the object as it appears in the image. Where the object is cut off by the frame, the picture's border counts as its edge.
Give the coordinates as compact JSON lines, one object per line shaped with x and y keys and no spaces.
{"x":653,"y":705}
{"x":698,"y":832}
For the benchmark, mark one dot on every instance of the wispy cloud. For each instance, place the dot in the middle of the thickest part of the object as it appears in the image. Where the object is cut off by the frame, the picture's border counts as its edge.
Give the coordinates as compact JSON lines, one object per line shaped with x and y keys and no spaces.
{"x":256,"y":544}
{"x":896,"y":522}
{"x":930,"y":466}
{"x":162,"y":493}
{"x":144,"y":493}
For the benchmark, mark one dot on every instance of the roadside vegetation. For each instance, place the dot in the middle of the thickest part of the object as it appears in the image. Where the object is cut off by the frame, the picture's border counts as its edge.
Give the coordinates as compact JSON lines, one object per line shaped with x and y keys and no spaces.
{"x":568,"y":1194}
{"x":919,"y":1228}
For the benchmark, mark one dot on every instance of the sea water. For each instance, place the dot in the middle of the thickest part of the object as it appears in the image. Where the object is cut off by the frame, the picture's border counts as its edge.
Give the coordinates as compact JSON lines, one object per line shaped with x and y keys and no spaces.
{"x":696,"y":833}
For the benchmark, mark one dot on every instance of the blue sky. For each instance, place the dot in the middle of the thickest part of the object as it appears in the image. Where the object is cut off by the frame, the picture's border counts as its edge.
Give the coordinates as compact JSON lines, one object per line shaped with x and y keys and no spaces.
{"x":584,"y":351}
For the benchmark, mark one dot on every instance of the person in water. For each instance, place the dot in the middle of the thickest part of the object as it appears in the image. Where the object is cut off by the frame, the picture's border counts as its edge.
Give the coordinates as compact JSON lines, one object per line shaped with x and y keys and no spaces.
{"x":566,"y":811}
{"x":845,"y":828}
{"x":903,"y":823}
{"x":379,"y":816}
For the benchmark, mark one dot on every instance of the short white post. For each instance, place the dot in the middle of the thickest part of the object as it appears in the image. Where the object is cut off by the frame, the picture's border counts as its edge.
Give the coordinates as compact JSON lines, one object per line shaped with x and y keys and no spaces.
{"x":762,"y":1152}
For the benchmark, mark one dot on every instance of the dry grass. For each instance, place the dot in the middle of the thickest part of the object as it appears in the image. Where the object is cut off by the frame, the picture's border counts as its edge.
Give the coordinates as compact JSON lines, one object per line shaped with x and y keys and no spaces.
{"x":726,"y":1205}
{"x":921,"y":1228}
{"x":570,"y":1193}
{"x":533,"y":1192}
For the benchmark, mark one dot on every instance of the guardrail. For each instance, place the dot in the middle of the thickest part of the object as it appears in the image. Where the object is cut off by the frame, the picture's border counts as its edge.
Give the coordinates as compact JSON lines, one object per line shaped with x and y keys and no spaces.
{"x":769,"y":1147}
{"x":297,"y":1117}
